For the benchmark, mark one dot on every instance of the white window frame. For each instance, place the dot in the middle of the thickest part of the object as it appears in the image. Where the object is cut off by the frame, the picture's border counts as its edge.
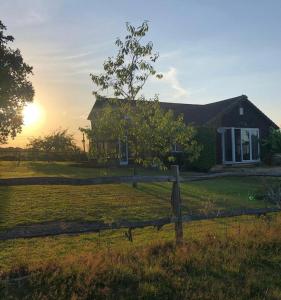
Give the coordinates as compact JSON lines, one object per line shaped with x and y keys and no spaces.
{"x":126,"y":161}
{"x":243,"y":161}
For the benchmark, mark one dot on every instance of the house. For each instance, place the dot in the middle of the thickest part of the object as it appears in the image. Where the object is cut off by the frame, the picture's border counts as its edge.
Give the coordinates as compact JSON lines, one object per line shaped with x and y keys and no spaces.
{"x":239,"y":126}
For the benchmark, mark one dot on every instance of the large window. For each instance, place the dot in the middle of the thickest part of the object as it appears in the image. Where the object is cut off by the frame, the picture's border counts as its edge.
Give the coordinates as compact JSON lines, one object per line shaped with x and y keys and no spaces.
{"x":246,"y":145}
{"x":240,"y":145}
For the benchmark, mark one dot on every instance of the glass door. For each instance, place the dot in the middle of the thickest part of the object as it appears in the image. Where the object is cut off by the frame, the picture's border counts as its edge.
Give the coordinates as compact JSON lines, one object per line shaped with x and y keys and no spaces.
{"x":240,"y":145}
{"x":255,"y":144}
{"x":246,"y":145}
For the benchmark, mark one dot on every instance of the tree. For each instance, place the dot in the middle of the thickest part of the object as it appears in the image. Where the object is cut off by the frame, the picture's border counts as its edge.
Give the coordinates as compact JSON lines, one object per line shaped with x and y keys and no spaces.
{"x":272,"y":143}
{"x":15,"y":88}
{"x":127,"y":73}
{"x":59,"y":144}
{"x":149,"y":130}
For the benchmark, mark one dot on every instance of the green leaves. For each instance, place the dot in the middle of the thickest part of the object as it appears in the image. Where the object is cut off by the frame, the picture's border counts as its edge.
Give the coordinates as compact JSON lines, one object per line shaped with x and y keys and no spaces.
{"x":126,"y":74}
{"x":15,"y":88}
{"x":151,"y":132}
{"x":59,"y":141}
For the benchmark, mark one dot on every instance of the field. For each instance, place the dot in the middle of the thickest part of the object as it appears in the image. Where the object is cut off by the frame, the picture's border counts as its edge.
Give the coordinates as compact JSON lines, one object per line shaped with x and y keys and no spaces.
{"x":223,"y":239}
{"x":33,"y":204}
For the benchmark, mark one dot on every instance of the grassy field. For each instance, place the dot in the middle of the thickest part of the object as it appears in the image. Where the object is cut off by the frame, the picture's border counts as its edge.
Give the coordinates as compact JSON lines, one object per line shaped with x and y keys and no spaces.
{"x":56,"y":261}
{"x":34,"y":204}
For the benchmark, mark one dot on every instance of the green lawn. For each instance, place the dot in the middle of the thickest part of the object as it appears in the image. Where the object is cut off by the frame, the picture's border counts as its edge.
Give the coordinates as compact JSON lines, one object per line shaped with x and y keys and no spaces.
{"x":34,"y":204}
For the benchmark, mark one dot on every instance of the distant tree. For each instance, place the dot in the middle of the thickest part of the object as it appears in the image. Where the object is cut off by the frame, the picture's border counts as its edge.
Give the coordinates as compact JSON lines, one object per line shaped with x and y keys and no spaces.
{"x":15,"y":88}
{"x":59,"y":143}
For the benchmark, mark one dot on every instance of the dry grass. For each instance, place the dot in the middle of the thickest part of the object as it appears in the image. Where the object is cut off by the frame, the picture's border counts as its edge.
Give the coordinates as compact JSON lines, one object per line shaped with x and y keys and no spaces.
{"x":236,"y":265}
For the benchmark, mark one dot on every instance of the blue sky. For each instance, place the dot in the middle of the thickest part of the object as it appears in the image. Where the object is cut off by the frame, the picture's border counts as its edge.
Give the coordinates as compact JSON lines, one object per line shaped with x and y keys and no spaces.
{"x":209,"y":51}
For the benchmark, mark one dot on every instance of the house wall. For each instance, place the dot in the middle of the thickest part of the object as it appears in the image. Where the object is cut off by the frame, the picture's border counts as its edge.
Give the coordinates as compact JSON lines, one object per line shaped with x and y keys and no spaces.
{"x":252,"y":118}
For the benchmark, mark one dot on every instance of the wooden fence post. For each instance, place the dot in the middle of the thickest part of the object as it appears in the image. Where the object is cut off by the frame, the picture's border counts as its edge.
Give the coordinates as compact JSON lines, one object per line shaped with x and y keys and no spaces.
{"x":135,"y":184}
{"x":176,"y":205}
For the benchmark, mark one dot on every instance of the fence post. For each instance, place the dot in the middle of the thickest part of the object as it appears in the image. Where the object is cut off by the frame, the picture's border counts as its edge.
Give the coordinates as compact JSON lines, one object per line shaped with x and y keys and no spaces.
{"x":176,"y":205}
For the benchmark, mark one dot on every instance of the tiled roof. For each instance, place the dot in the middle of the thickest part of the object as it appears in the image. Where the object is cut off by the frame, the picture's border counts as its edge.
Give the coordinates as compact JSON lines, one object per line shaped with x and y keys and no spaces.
{"x":199,"y":114}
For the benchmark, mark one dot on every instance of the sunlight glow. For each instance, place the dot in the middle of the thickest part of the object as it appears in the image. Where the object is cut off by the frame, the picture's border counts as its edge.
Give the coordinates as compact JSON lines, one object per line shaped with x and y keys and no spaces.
{"x":32,"y":114}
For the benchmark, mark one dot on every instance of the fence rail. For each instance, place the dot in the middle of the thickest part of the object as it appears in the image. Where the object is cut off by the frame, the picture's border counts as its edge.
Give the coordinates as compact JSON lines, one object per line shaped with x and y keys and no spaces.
{"x":60,"y":227}
{"x":54,"y":228}
{"x":83,"y":181}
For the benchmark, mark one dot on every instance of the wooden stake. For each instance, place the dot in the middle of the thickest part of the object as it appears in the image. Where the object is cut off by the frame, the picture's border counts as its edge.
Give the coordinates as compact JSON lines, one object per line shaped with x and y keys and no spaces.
{"x":176,"y":205}
{"x":135,"y":184}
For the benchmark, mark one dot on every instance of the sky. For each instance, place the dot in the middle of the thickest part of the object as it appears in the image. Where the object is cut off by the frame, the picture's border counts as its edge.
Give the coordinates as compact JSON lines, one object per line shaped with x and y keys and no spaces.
{"x":210,"y":50}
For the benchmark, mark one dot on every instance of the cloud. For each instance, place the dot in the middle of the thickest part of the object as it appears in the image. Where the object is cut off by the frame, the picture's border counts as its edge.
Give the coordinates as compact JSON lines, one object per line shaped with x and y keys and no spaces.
{"x":171,"y":78}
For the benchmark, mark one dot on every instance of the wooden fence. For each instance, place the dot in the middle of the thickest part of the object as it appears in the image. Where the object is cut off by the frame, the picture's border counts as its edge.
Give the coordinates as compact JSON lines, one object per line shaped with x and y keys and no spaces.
{"x":72,"y":227}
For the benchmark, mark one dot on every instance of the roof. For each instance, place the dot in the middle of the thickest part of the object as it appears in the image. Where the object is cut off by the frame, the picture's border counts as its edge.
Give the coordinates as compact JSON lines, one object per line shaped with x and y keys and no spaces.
{"x":199,"y":114}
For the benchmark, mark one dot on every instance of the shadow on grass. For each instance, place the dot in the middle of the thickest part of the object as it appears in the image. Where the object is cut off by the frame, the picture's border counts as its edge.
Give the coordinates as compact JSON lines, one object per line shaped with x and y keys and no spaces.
{"x":5,"y":197}
{"x":70,"y":170}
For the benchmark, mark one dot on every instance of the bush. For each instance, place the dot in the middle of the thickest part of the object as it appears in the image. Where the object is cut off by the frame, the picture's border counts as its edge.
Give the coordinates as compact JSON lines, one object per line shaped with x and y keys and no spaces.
{"x":271,"y":145}
{"x":206,"y":137}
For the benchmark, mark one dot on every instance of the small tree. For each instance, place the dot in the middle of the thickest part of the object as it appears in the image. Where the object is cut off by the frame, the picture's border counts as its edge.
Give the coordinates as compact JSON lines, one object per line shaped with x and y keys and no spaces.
{"x":15,"y":88}
{"x":59,"y":144}
{"x":149,"y":130}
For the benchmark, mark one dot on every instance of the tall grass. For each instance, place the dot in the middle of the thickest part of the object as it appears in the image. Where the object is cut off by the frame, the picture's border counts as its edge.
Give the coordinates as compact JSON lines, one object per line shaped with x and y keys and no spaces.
{"x":244,"y":264}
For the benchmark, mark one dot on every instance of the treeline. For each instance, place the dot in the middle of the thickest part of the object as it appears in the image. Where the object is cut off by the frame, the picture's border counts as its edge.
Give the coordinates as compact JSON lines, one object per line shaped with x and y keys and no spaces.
{"x":57,"y":146}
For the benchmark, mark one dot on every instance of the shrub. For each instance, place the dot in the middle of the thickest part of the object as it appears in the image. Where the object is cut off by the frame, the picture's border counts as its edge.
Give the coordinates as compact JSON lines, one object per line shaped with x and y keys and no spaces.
{"x":206,"y":137}
{"x":271,"y":145}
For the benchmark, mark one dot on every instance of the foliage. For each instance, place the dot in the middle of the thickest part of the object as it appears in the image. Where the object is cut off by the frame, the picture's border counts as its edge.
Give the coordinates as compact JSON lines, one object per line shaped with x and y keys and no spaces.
{"x":149,"y":130}
{"x":60,"y":142}
{"x":15,"y":88}
{"x":273,"y":194}
{"x":272,"y":144}
{"x":207,"y":159}
{"x":127,"y":73}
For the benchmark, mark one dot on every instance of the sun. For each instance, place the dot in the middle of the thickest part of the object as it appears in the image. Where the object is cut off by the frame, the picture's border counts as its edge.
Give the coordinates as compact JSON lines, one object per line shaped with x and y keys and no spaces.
{"x":32,"y":114}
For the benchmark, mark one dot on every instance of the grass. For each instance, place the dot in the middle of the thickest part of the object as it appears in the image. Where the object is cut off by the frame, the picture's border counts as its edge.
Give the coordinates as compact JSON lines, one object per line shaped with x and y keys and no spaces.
{"x":234,"y":258}
{"x":108,"y":203}
{"x":242,"y":263}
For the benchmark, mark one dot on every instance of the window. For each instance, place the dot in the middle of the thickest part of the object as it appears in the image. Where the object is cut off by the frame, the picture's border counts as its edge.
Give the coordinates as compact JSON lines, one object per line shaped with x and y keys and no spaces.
{"x":240,"y":145}
{"x":176,"y":148}
{"x":123,"y":151}
{"x":246,"y":146}
{"x":241,"y":111}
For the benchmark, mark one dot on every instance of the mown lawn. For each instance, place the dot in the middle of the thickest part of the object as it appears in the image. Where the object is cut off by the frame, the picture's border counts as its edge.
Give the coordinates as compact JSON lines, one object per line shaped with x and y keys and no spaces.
{"x":109,"y":203}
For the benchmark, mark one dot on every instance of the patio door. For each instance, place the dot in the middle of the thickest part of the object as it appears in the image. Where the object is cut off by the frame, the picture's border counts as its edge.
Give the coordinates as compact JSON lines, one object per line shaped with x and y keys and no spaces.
{"x":240,"y":145}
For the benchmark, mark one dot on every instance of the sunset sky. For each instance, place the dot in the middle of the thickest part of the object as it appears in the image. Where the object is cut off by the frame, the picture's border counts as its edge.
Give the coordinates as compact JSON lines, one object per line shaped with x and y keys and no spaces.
{"x":209,"y":51}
